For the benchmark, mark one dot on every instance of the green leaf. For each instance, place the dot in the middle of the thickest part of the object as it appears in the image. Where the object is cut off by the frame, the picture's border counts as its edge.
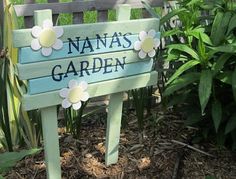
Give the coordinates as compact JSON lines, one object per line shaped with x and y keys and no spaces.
{"x":193,"y":2}
{"x":215,"y":27}
{"x":216,"y":112}
{"x":210,"y":177}
{"x":234,"y":83}
{"x":173,"y":13}
{"x":231,"y":124}
{"x":228,"y":48}
{"x":9,"y":159}
{"x":182,"y":69}
{"x":204,"y":90}
{"x":171,"y":32}
{"x":219,"y":64}
{"x":232,"y":24}
{"x":201,"y":49}
{"x":183,"y":48}
{"x":181,"y":82}
{"x":199,"y":32}
{"x":219,"y":27}
{"x":225,"y":77}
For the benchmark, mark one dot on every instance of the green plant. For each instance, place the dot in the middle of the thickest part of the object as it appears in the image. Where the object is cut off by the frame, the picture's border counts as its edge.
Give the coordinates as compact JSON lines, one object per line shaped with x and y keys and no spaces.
{"x":16,"y":127}
{"x":9,"y":159}
{"x":142,"y":102}
{"x":204,"y":81}
{"x":73,"y":119}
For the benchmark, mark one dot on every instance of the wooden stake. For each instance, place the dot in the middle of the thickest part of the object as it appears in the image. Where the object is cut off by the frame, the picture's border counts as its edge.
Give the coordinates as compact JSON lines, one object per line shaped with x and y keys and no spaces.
{"x":51,"y":142}
{"x":115,"y":108}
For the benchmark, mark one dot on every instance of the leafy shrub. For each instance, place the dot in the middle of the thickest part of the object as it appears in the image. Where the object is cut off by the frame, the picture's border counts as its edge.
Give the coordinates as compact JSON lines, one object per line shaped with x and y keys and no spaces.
{"x":204,"y":83}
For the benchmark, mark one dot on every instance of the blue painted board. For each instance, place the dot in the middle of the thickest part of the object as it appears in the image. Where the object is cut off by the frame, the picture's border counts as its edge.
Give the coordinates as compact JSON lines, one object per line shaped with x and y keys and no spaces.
{"x":45,"y":84}
{"x":27,"y":55}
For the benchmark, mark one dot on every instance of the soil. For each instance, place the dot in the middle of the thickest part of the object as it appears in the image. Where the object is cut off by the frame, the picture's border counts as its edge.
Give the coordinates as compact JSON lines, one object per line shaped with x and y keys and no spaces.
{"x":162,"y":150}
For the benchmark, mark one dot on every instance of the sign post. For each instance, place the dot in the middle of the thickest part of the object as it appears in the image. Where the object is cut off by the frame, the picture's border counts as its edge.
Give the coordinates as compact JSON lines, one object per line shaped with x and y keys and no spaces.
{"x":67,"y":65}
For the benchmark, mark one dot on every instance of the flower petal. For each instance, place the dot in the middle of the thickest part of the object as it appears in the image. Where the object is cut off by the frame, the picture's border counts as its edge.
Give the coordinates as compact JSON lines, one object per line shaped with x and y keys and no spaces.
{"x":64,"y":92}
{"x":152,"y":53}
{"x":85,"y":96}
{"x":76,"y":106}
{"x":36,"y":30}
{"x":65,"y":103}
{"x":152,"y":33}
{"x":142,"y":35}
{"x":83,"y":85}
{"x":35,"y":45}
{"x":142,"y":54}
{"x":58,"y":44}
{"x":46,"y":51}
{"x":137,"y":45}
{"x":47,"y":23}
{"x":72,"y":83}
{"x":59,"y":31}
{"x":157,"y":43}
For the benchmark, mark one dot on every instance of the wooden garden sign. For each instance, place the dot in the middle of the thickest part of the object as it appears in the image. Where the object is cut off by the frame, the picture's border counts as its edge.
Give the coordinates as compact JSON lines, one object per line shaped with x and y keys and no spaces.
{"x":69,"y":64}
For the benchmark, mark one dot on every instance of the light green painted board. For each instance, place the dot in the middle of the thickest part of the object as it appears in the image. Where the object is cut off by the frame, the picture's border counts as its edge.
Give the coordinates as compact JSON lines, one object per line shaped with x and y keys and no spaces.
{"x":51,"y":142}
{"x":35,"y":70}
{"x":40,"y":16}
{"x":113,"y":128}
{"x":49,"y":124}
{"x":30,"y":102}
{"x":23,"y":38}
{"x":115,"y":107}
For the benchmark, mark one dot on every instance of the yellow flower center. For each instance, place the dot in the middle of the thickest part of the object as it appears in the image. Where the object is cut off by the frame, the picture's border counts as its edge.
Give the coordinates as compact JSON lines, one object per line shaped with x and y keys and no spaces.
{"x":147,"y":44}
{"x":47,"y":37}
{"x":75,"y":95}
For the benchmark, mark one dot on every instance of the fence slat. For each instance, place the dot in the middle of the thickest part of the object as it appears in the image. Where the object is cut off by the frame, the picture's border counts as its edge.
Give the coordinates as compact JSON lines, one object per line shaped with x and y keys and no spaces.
{"x":77,"y":6}
{"x":28,"y":19}
{"x":78,"y":17}
{"x":146,"y":14}
{"x":102,"y":16}
{"x":55,"y":16}
{"x":42,"y":100}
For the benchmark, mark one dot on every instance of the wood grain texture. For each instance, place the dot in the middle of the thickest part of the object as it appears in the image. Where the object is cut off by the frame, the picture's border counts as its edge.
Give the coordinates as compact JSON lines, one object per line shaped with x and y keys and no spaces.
{"x":23,"y":38}
{"x":42,"y":69}
{"x":30,"y":102}
{"x":71,"y":7}
{"x":45,"y":84}
{"x":123,"y":12}
{"x":51,"y":142}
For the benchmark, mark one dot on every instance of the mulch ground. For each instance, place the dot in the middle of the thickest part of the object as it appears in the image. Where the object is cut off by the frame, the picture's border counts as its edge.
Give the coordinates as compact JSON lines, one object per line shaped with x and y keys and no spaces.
{"x":160,"y":151}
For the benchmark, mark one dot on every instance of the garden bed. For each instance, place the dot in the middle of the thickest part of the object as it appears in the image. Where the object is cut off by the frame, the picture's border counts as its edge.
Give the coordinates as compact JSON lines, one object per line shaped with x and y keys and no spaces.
{"x":161,"y":151}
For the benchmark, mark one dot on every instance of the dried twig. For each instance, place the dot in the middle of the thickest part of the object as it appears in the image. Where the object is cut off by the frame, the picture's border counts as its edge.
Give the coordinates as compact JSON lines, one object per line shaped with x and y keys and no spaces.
{"x":191,"y":147}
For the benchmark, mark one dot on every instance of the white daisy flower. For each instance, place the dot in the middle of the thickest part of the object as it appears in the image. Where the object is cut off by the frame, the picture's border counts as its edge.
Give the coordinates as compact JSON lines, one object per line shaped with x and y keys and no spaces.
{"x":147,"y":44}
{"x":74,"y":94}
{"x":46,"y":37}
